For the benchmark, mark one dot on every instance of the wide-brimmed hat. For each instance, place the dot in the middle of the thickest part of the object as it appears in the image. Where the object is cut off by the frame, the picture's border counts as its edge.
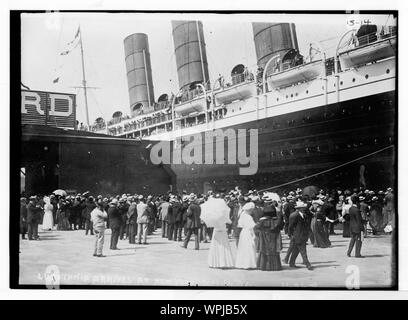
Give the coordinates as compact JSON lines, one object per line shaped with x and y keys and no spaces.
{"x":255,"y":198}
{"x":114,"y":201}
{"x":300,"y":204}
{"x":318,"y":202}
{"x":248,"y":206}
{"x":361,"y":198}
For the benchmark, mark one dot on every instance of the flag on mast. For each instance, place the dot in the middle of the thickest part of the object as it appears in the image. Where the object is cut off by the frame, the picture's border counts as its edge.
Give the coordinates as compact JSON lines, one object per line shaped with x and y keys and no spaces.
{"x":72,"y":44}
{"x":77,"y":36}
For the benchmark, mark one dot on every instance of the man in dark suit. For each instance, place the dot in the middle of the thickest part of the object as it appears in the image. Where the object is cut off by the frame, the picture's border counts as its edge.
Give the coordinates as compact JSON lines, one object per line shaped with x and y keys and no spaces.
{"x":115,"y":221}
{"x":364,"y":210}
{"x":123,"y":209}
{"x":23,"y":217}
{"x":298,"y":230}
{"x":288,"y":209}
{"x":193,"y":221}
{"x":178,"y":220}
{"x":89,"y":206}
{"x":33,"y":218}
{"x":170,"y":219}
{"x":356,"y":227}
{"x":132,"y":220}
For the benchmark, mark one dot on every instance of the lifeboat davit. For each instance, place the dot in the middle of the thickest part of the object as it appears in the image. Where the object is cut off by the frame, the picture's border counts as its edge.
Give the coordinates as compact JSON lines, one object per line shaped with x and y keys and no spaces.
{"x":375,"y":51}
{"x":301,"y":73}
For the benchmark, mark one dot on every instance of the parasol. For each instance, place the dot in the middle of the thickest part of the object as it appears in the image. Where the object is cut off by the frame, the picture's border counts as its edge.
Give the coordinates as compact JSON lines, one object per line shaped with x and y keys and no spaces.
{"x":215,"y":212}
{"x":60,"y":192}
{"x":311,"y":191}
{"x":271,"y":196}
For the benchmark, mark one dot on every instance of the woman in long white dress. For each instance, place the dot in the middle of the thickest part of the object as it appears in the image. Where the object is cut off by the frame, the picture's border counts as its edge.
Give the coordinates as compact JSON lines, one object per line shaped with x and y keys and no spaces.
{"x":246,"y":252}
{"x":215,"y":214}
{"x":48,"y":220}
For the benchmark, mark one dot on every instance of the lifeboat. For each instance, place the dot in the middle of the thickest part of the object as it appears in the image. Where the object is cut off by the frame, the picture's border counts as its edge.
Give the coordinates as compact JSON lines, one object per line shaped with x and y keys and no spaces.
{"x":375,"y":51}
{"x":241,"y":91}
{"x":242,"y":86}
{"x":302,"y":73}
{"x":197,"y":104}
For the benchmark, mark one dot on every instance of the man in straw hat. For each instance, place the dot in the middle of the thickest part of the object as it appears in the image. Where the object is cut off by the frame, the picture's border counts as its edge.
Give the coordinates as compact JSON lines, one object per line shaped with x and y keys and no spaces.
{"x":33,"y":218}
{"x":115,"y":221}
{"x":193,"y":221}
{"x":23,"y":217}
{"x":98,"y":218}
{"x":143,"y":214}
{"x":299,"y":231}
{"x":132,"y":220}
{"x":356,"y":227}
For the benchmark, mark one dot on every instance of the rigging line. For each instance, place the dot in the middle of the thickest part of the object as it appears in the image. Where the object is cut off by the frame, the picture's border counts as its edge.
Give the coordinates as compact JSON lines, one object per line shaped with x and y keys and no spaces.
{"x":82,"y":111}
{"x":328,"y":170}
{"x":57,"y":58}
{"x":387,"y":20}
{"x":97,"y":105}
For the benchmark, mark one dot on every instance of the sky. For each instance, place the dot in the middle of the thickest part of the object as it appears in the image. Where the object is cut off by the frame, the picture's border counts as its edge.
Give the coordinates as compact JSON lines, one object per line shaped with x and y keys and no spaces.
{"x":228,"y":38}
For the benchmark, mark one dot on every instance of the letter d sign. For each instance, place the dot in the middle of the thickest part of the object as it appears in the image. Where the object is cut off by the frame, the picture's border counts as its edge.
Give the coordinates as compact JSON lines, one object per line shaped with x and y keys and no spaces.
{"x":53,"y":112}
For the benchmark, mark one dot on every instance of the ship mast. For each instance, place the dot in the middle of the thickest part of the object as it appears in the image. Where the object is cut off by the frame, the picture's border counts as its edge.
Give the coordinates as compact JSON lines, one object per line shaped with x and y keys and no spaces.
{"x":83,"y":79}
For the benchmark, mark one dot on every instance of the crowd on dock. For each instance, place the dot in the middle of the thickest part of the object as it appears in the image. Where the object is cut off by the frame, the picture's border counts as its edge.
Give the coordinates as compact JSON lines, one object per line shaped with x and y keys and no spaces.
{"x":256,"y":221}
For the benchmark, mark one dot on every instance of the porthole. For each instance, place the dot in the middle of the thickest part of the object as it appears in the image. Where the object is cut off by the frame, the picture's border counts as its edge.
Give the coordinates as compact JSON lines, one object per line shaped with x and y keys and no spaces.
{"x":341,"y":83}
{"x":307,"y":91}
{"x":366,"y":76}
{"x":287,"y":96}
{"x":354,"y":80}
{"x":277,"y":99}
{"x":387,"y":71}
{"x":296,"y":94}
{"x":291,"y":95}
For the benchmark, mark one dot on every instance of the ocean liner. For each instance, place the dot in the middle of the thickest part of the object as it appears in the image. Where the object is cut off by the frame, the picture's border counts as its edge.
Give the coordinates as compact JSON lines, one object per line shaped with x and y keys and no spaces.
{"x":327,"y":121}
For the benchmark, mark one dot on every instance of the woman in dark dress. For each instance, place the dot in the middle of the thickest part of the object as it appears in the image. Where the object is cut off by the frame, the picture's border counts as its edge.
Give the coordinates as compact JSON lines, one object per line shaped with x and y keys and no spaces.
{"x":62,"y":215}
{"x":376,"y":219}
{"x":345,"y":218}
{"x":321,"y":239}
{"x":268,"y":235}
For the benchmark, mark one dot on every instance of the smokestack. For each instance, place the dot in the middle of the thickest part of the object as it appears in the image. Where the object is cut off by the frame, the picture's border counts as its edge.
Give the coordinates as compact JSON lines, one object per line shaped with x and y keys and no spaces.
{"x":273,"y":38}
{"x":139,"y":73}
{"x":191,"y":57}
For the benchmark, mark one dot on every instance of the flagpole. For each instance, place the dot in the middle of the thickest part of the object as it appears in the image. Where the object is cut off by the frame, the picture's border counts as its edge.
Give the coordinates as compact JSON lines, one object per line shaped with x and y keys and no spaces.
{"x":83,"y":78}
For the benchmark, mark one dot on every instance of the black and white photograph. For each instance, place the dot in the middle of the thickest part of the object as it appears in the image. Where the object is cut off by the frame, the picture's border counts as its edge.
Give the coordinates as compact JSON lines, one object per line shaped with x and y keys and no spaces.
{"x":206,"y":150}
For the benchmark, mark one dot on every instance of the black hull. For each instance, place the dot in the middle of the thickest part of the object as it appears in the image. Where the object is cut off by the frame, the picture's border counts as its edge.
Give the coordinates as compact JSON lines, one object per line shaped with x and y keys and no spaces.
{"x":296,"y":145}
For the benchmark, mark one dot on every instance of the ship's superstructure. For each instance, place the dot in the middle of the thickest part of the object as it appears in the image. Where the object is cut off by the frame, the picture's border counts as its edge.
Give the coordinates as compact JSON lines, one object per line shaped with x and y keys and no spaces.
{"x":312,"y":112}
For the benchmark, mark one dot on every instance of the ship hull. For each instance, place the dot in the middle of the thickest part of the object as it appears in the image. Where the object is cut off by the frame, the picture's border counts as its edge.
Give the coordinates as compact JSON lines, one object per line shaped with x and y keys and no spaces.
{"x":314,"y":143}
